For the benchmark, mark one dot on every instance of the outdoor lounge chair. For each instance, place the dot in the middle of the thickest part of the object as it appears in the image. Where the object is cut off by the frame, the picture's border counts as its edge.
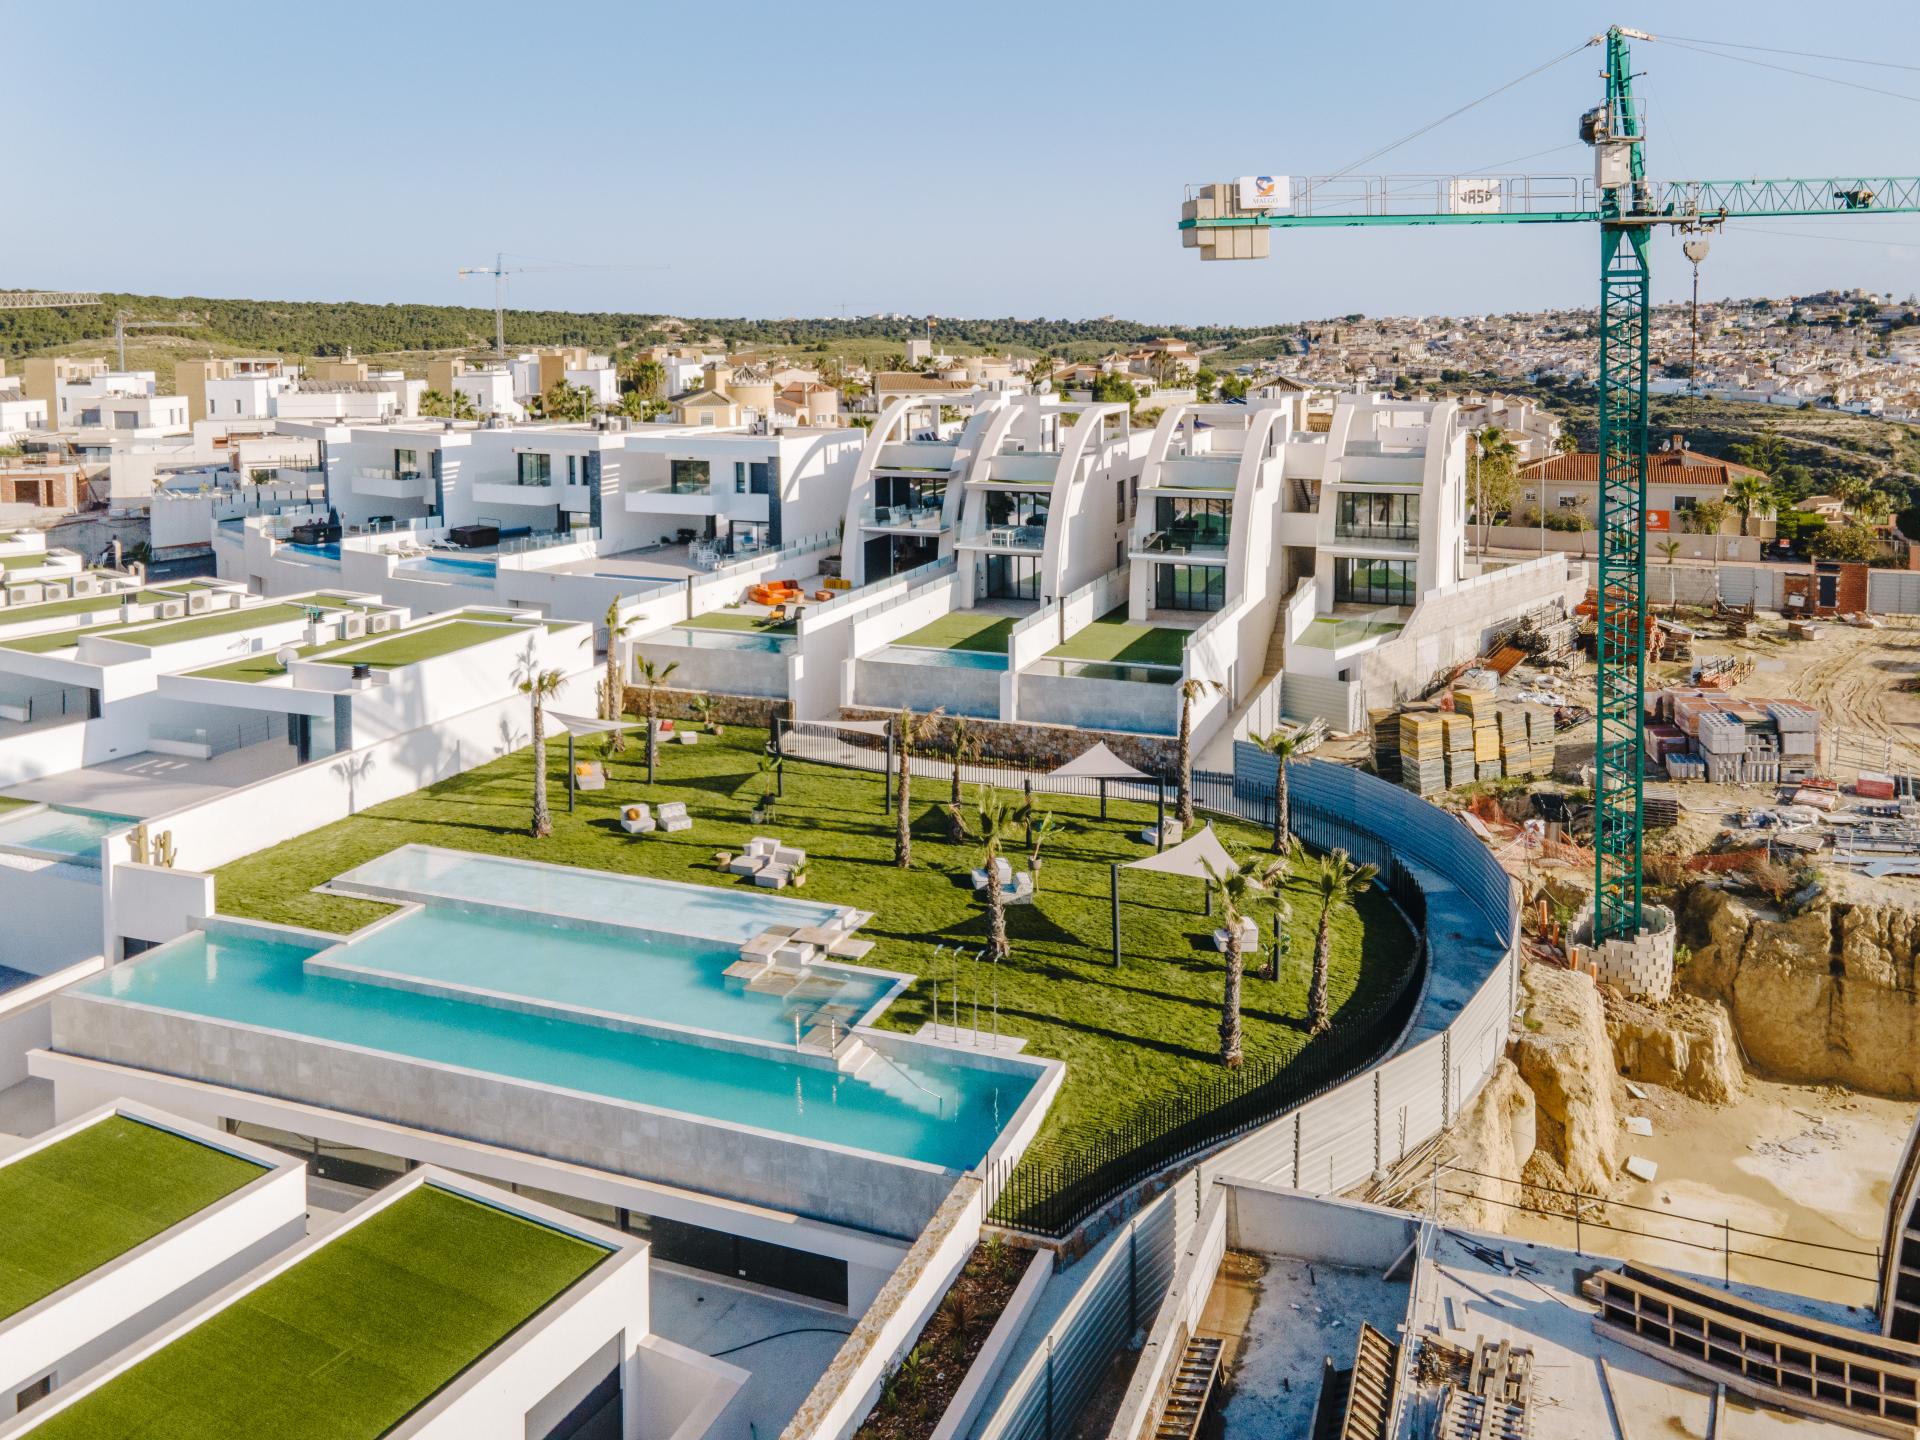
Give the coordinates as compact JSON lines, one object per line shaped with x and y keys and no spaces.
{"x":772,"y":877}
{"x":637,"y":820}
{"x":747,"y":865}
{"x":1176,"y":832}
{"x":673,"y":816}
{"x":1000,"y":868}
{"x":1249,"y":935}
{"x":589,"y":775}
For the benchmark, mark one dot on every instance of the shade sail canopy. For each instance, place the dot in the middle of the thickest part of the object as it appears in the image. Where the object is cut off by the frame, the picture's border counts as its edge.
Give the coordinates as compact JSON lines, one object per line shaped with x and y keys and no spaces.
{"x":593,"y":724}
{"x":1190,"y":857}
{"x":1099,"y":763}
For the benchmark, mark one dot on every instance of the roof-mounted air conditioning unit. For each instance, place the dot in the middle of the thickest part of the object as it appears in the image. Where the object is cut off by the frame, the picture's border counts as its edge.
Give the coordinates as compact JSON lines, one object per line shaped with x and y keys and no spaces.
{"x":380,"y":623}
{"x":197,"y":602}
{"x":352,"y":627}
{"x":84,"y":585}
{"x":172,"y":609}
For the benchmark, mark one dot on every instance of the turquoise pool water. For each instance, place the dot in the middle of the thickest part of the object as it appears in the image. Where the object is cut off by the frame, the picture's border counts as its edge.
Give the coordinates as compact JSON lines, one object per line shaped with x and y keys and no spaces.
{"x":952,"y":659}
{"x":257,"y":981}
{"x":73,"y":835}
{"x":673,"y":982}
{"x":699,"y":639}
{"x":461,"y":572}
{"x":705,"y":912}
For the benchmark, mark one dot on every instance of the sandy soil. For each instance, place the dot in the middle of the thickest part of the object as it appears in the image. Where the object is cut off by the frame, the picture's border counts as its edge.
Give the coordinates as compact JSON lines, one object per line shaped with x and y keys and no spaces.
{"x":1801,"y":1167}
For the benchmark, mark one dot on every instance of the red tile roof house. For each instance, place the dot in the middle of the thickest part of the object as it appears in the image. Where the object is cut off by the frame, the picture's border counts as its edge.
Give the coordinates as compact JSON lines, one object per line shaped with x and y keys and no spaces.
{"x":1677,"y":480}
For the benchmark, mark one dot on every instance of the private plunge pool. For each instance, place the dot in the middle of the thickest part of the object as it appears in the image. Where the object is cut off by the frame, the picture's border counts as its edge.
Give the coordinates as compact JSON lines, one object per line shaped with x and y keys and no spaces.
{"x":460,"y":572}
{"x":570,"y":1033}
{"x":60,"y":833}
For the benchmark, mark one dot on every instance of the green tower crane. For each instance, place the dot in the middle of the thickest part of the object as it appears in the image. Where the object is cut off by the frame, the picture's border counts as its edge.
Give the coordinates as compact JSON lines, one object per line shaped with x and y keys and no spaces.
{"x":1232,"y":221}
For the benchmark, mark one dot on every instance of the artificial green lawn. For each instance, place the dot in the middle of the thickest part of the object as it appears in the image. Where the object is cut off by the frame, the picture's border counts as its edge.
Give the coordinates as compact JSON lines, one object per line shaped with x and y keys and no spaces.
{"x":409,"y":647}
{"x":737,"y":620}
{"x":1331,"y":632}
{"x":47,"y":641}
{"x":1129,"y":1036}
{"x":32,"y":560}
{"x":349,"y":1341}
{"x":965,"y":630}
{"x":14,"y":802}
{"x":222,"y":622}
{"x":82,"y":605}
{"x":72,"y":1207}
{"x":1112,"y":638}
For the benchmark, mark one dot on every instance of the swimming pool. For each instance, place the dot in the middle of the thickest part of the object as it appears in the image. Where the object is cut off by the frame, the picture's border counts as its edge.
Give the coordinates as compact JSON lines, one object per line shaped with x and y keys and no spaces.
{"x":920,"y":1109}
{"x":560,"y":892}
{"x":952,"y":659}
{"x":460,"y":572}
{"x":68,"y":834}
{"x":701,"y":639}
{"x":662,"y":979}
{"x":329,"y":551}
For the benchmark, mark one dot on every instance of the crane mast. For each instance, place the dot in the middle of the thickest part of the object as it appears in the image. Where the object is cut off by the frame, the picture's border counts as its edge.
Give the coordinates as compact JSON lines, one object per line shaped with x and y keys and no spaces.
{"x":1232,"y":221}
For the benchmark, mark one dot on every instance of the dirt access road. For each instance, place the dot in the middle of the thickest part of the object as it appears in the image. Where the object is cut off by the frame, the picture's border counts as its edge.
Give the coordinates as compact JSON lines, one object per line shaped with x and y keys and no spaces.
{"x":1855,"y":676}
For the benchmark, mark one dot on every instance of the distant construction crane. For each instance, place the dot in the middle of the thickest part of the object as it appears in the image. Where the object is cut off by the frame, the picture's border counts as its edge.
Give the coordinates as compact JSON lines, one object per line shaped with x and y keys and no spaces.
{"x":499,"y":270}
{"x":1231,"y":222}
{"x":45,"y":299}
{"x":121,"y":324}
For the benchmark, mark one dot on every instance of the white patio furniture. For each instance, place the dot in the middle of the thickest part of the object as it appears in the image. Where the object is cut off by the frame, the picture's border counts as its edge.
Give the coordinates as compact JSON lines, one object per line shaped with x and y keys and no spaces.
{"x":638,"y":820}
{"x":1176,"y":832}
{"x":673,"y":816}
{"x":772,"y":877}
{"x":1249,"y":935}
{"x":688,"y":737}
{"x":1000,"y":868}
{"x":746,"y":864}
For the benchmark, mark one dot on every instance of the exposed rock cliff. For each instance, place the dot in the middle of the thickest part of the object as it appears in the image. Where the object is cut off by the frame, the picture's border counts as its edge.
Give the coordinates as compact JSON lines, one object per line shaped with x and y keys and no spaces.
{"x":1685,"y":1045}
{"x":1823,"y":997}
{"x":1494,"y":1136}
{"x":1563,"y":1055}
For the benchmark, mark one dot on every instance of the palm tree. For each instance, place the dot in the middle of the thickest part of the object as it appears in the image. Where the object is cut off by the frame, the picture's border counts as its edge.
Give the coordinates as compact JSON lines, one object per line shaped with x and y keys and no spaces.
{"x":910,"y":729}
{"x":539,"y":686}
{"x":1039,"y":831}
{"x":614,"y":691}
{"x":1283,"y":745}
{"x":1190,"y":691}
{"x":653,"y":675}
{"x":1339,"y":882}
{"x":458,"y":406}
{"x":1874,"y":509}
{"x":1565,"y":443}
{"x":1749,"y":493}
{"x":1272,"y":875}
{"x":1669,"y":548}
{"x":1235,"y":888}
{"x":996,"y":828}
{"x":962,"y":749}
{"x":1850,"y":490}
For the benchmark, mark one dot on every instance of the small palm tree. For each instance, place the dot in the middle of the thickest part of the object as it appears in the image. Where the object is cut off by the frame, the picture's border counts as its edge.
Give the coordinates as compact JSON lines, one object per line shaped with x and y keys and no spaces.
{"x":996,"y":829}
{"x":1272,"y":875}
{"x":1190,"y":691}
{"x":1670,"y":548}
{"x":653,"y":675}
{"x":909,"y":731}
{"x":1235,"y":889}
{"x":1565,"y":444}
{"x":1040,"y":829}
{"x":962,"y":752}
{"x":539,"y":686}
{"x":1339,"y":882}
{"x":1749,"y":493}
{"x":1874,"y":509}
{"x":613,"y":691}
{"x":1283,"y":745}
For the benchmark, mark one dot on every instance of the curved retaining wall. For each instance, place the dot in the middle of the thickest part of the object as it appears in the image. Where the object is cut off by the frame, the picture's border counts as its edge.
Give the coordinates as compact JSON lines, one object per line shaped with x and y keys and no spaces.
{"x":1330,"y":1143}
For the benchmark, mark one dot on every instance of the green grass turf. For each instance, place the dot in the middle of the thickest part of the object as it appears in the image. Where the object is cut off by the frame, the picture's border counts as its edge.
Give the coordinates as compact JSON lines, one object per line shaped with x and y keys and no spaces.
{"x":738,"y":620}
{"x":32,"y":560}
{"x":345,"y":1344}
{"x":48,"y":641}
{"x":218,"y":622}
{"x":14,"y":802}
{"x":1112,"y":638}
{"x":965,"y":630}
{"x":1129,"y":1036}
{"x":90,"y":1198}
{"x":409,"y":647}
{"x":80,"y":605}
{"x":1332,"y":633}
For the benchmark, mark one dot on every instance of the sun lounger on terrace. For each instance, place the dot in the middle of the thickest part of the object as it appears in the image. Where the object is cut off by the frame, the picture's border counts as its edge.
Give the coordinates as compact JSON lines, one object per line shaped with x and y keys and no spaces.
{"x":637,"y":820}
{"x":746,"y":864}
{"x":772,"y":877}
{"x":673,"y":816}
{"x":589,"y":775}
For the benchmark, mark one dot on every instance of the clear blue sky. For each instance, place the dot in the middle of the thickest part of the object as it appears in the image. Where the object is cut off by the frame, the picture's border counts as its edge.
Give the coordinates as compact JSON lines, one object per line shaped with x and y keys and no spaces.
{"x":981,"y":159}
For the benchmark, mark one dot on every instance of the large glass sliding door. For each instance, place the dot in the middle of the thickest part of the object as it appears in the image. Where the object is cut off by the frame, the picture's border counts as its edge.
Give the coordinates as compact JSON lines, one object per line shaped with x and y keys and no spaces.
{"x":1189,"y":587}
{"x":1013,"y":577}
{"x":1373,"y":582}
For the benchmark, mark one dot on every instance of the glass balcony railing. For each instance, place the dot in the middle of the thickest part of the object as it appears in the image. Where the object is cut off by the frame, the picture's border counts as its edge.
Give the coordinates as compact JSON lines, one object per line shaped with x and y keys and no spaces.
{"x":1361,"y":530}
{"x":1198,"y":543}
{"x":1015,"y":537}
{"x":898,"y":517}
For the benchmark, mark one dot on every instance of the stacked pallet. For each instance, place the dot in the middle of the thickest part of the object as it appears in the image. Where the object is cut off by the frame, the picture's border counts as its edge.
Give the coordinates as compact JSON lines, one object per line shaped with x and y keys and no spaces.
{"x":1476,"y":703}
{"x":1423,"y":751}
{"x":1460,"y":762}
{"x":1386,"y":743}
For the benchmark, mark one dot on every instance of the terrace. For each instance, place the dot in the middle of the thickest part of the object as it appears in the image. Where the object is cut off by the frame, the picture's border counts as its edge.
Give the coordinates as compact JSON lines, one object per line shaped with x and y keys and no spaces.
{"x":1130,"y":1037}
{"x":353,"y":1338}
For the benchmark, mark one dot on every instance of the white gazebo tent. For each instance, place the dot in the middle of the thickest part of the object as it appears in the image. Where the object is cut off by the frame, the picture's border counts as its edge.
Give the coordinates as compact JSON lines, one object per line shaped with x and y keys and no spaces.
{"x":1101,"y":764}
{"x":577,"y":725}
{"x":1192,"y":858}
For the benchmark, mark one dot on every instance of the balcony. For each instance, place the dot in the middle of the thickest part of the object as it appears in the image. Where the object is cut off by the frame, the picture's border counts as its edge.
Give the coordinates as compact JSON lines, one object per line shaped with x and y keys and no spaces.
{"x":392,"y":484}
{"x":1213,"y":472}
{"x":1023,"y":469}
{"x":917,"y":455}
{"x":925,"y":518}
{"x":513,"y":492}
{"x":1360,"y":530}
{"x":1031,"y":538}
{"x":1183,"y":545}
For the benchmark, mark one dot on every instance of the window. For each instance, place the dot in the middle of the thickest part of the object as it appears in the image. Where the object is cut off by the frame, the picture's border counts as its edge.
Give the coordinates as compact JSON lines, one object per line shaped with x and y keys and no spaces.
{"x":1192,"y":524}
{"x":1683,"y":504}
{"x":690,"y":477}
{"x":406,"y":464}
{"x":1189,"y":587}
{"x":38,"y":1390}
{"x":1373,"y":582}
{"x":759,"y":477}
{"x":1013,"y":577}
{"x":1570,"y":500}
{"x":1378,"y":517}
{"x":535,"y":470}
{"x":572,"y":462}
